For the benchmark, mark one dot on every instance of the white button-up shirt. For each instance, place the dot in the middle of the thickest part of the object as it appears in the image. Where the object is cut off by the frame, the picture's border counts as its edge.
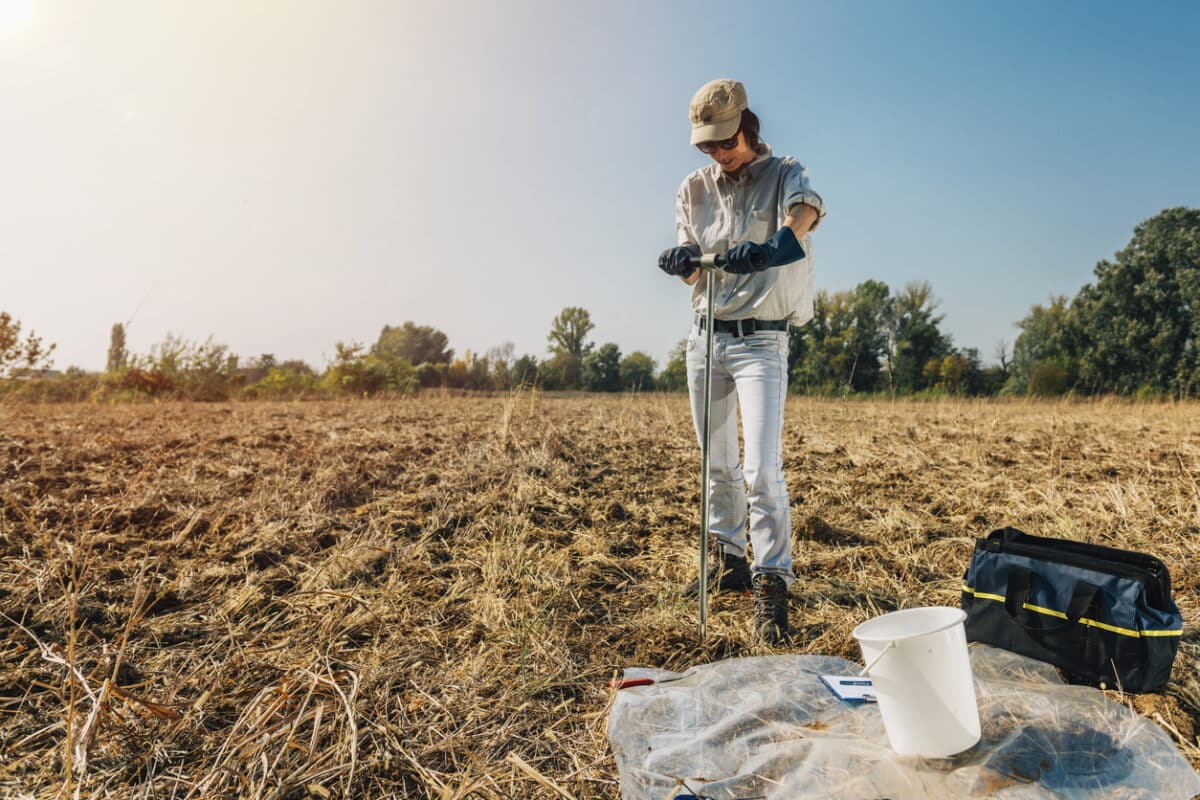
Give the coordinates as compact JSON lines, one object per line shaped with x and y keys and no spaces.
{"x":716,"y":211}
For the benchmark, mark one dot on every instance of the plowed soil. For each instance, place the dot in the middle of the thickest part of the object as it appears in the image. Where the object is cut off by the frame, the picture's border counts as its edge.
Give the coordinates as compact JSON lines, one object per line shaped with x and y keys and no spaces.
{"x":427,"y":597}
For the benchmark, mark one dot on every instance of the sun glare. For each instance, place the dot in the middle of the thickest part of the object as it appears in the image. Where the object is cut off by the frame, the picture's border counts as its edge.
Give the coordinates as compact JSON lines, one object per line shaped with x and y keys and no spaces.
{"x":15,"y":15}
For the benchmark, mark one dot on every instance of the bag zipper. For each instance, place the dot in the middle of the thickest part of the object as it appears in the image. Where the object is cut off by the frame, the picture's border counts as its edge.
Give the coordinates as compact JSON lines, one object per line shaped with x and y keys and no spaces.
{"x":1148,"y":575}
{"x":1152,"y":565}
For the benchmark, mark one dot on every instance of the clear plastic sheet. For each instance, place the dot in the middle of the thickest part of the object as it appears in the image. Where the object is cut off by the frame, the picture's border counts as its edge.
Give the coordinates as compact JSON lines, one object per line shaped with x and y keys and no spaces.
{"x":769,"y":727}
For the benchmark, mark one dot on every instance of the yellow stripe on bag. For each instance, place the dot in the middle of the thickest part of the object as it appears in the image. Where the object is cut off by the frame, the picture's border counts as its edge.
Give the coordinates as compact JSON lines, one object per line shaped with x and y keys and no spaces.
{"x":1050,"y":612}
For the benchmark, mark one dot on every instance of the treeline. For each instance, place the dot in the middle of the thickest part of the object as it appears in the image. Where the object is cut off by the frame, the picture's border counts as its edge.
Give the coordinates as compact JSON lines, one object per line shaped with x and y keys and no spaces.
{"x":1134,"y":331}
{"x":413,"y":356}
{"x":402,"y":360}
{"x":871,"y":340}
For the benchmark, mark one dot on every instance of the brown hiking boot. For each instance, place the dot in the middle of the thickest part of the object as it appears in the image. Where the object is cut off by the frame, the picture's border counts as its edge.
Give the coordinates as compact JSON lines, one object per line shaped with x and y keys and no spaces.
{"x":770,"y":609}
{"x":730,"y":574}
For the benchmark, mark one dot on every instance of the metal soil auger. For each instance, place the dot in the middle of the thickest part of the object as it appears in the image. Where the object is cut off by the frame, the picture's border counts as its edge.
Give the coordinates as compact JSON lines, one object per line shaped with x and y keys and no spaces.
{"x":708,"y":262}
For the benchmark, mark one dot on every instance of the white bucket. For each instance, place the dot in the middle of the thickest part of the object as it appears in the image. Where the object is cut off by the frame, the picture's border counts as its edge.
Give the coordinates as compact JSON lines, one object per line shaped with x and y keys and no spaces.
{"x":921,"y":673}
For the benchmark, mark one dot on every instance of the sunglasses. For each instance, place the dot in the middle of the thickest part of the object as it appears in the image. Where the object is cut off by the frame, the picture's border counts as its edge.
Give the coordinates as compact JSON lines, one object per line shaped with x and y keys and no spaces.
{"x":708,"y":148}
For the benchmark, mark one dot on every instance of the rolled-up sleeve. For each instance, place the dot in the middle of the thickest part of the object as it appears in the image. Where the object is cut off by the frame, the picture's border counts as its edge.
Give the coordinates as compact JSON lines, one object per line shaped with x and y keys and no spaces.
{"x":683,"y":216}
{"x":797,"y":190}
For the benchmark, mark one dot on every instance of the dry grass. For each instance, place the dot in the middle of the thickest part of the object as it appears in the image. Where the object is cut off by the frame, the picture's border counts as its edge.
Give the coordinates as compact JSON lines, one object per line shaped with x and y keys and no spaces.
{"x":426,"y":598}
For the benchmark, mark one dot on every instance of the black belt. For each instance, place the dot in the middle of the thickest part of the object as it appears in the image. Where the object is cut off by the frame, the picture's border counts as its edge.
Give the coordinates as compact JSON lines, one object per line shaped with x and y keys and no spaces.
{"x":744,"y":327}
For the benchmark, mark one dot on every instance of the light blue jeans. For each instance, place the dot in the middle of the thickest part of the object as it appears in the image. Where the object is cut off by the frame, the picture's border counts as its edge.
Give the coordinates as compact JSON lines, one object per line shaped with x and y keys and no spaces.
{"x":750,"y":371}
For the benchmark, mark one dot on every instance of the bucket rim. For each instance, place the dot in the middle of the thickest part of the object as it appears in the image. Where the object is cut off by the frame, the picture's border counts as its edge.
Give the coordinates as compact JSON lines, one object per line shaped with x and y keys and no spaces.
{"x":956,"y":617}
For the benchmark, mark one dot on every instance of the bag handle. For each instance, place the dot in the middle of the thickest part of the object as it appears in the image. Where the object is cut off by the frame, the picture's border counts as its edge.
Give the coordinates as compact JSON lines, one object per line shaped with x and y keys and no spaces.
{"x":1085,"y":597}
{"x":1017,"y":593}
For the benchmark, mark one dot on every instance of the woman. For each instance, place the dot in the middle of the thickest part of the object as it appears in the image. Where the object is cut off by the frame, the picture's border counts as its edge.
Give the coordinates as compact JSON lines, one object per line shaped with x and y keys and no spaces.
{"x":758,"y":210}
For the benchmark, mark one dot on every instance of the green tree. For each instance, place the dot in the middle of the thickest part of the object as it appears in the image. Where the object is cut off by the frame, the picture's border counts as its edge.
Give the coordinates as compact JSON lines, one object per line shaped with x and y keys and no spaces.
{"x":602,"y":369}
{"x":568,"y":345}
{"x":289,"y":378}
{"x":501,"y":359}
{"x":525,"y":371}
{"x":431,"y":374}
{"x":953,"y":373}
{"x":799,"y":340}
{"x":931,"y":373}
{"x":355,"y":371}
{"x":176,"y":366}
{"x":458,"y":373}
{"x":637,"y":372}
{"x":837,"y":348}
{"x":992,"y":380}
{"x":916,"y":339}
{"x":479,"y":373}
{"x":1049,"y":335}
{"x":975,"y":380}
{"x":117,"y":354}
{"x":813,"y":349}
{"x":297,"y":366}
{"x":260,"y":368}
{"x":17,"y":354}
{"x":1047,"y":378}
{"x":843,"y":347}
{"x":1141,"y":318}
{"x":416,"y":344}
{"x":674,"y":374}
{"x":996,"y":376}
{"x":558,"y":372}
{"x":871,"y":311}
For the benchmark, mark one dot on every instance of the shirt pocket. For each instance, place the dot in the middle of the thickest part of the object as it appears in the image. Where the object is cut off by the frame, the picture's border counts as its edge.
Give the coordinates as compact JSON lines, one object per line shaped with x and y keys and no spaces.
{"x":714,"y":236}
{"x":760,"y":224}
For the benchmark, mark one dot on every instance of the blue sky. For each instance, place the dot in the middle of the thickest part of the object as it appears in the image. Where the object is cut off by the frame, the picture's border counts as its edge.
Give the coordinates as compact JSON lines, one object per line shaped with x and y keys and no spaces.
{"x":285,"y":175}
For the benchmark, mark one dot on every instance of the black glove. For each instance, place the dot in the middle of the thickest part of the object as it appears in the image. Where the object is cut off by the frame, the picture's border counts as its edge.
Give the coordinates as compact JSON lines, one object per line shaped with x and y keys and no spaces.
{"x":780,"y":249}
{"x":673,"y":261}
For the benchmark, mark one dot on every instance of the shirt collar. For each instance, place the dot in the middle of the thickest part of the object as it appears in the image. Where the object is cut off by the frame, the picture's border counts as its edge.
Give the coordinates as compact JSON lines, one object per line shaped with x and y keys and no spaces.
{"x":751,"y":170}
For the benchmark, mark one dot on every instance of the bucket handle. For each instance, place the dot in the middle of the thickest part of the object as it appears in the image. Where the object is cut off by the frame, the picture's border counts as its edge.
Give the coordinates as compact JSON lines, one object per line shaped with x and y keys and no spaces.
{"x":876,"y":659}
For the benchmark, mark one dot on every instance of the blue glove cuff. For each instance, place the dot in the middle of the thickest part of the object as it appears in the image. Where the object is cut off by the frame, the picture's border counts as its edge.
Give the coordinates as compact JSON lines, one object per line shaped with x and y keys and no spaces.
{"x":785,"y":247}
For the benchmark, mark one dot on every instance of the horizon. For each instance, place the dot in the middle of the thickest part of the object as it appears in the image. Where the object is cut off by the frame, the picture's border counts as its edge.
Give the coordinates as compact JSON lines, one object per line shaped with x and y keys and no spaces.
{"x":284,"y":176}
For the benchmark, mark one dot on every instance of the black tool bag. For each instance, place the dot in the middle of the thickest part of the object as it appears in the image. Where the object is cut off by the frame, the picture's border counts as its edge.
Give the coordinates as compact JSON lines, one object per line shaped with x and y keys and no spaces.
{"x":1105,"y":616}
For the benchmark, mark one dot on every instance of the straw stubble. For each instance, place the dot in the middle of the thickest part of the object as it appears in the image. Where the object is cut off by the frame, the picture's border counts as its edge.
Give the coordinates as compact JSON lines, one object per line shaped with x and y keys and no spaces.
{"x":427,"y":597}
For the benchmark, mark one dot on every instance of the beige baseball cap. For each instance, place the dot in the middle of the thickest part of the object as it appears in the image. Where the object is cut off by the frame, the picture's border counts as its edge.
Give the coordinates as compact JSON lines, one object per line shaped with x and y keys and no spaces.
{"x":717,"y":110}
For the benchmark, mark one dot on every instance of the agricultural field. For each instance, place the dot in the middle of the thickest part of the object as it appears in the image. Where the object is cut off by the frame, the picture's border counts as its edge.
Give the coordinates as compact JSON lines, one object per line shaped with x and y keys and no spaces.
{"x":427,"y":597}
